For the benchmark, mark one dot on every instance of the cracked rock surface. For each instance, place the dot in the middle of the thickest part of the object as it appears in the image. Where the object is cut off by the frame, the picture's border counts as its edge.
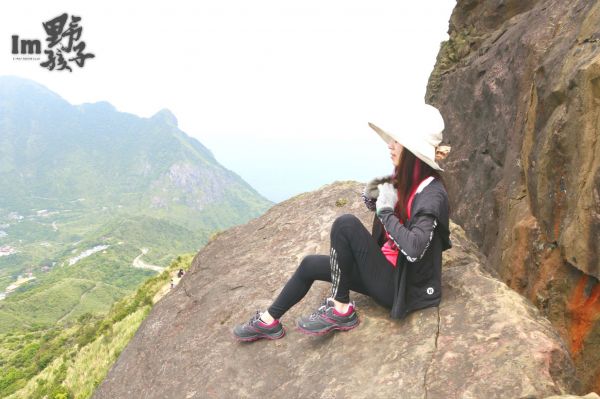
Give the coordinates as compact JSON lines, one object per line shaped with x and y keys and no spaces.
{"x":484,"y":341}
{"x":518,"y":85}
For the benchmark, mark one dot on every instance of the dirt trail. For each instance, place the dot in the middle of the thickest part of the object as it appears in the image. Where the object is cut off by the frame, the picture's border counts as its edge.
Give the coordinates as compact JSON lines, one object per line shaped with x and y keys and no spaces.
{"x":140,"y":264}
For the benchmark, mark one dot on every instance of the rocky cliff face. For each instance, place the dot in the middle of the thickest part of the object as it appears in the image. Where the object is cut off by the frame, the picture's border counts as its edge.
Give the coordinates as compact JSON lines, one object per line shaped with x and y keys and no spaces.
{"x":518,"y":84}
{"x":484,"y":341}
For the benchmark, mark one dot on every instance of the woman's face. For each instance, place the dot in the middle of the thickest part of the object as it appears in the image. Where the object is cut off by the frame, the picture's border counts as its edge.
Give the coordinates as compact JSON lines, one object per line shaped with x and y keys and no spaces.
{"x":395,"y":152}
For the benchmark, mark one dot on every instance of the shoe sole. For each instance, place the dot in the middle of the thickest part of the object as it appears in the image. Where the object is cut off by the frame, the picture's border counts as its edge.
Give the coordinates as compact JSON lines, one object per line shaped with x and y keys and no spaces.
{"x":328,"y":330}
{"x":256,"y":338}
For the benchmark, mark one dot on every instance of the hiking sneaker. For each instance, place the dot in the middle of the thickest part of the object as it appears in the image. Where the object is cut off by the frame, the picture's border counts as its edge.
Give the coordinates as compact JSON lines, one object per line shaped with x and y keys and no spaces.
{"x":326,"y":319}
{"x":257,"y":329}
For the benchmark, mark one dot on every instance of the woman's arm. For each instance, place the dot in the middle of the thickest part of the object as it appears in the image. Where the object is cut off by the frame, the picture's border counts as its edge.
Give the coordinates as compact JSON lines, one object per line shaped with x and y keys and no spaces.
{"x":412,"y":243}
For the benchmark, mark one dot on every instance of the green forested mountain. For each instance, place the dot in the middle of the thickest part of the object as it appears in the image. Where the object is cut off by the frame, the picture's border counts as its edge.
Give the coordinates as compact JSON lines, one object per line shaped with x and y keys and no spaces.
{"x":94,"y":201}
{"x":69,"y":361}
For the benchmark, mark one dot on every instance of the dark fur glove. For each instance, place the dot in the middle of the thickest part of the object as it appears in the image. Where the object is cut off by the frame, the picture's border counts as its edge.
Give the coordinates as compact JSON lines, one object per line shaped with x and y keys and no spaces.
{"x":371,"y":192}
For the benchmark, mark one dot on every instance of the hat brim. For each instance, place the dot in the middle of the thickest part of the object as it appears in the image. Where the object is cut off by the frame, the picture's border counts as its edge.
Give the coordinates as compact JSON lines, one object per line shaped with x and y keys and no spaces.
{"x":406,"y":142}
{"x":382,"y":133}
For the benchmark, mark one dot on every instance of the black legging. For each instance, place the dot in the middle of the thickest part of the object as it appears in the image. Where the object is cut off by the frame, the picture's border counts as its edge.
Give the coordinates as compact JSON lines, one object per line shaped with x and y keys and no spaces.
{"x":355,"y":263}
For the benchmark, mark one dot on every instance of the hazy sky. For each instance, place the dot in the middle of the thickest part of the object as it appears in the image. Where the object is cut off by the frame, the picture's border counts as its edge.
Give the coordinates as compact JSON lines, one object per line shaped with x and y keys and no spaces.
{"x":279,"y":91}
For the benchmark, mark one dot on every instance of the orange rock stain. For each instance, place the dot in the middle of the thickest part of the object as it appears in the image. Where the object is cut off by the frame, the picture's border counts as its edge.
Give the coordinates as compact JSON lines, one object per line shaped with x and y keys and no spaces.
{"x":584,"y":312}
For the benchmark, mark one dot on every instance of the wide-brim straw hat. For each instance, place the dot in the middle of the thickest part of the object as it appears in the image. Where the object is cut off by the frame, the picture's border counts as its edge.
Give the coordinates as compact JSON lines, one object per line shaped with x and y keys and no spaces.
{"x":423,"y":138}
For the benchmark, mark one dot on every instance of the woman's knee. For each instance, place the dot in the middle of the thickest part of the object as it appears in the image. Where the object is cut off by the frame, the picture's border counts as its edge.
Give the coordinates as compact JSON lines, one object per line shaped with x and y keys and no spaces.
{"x":313,"y":267}
{"x":345,"y":220}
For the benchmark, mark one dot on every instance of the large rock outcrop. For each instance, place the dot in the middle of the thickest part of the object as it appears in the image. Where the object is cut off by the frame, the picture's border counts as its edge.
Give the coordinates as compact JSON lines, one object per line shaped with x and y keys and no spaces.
{"x":484,"y":341}
{"x":518,"y":84}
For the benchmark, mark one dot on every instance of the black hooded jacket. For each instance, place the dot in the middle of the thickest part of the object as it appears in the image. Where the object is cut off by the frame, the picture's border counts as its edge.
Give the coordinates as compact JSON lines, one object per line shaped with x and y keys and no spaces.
{"x":421,"y":241}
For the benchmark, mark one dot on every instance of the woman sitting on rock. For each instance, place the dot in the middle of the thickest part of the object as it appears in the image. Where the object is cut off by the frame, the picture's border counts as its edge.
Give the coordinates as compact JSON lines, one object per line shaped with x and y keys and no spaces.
{"x":399,"y":264}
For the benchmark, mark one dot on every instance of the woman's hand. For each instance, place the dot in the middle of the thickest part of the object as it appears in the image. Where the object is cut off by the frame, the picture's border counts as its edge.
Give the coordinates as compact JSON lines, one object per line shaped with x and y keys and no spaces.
{"x":371,"y":192}
{"x":388,"y":196}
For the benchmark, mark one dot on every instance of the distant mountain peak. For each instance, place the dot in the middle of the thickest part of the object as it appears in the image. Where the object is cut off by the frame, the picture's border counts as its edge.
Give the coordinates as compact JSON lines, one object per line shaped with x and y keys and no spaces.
{"x":21,"y":82}
{"x":98,"y":106}
{"x":166,"y":116}
{"x":13,"y":86}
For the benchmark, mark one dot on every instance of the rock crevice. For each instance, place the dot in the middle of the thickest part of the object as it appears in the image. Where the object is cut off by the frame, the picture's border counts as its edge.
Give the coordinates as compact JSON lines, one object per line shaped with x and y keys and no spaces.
{"x":437,"y":333}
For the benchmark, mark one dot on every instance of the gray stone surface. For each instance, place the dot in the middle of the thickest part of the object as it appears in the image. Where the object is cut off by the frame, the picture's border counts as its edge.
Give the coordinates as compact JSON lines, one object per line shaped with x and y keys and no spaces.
{"x":484,"y":341}
{"x":518,"y":84}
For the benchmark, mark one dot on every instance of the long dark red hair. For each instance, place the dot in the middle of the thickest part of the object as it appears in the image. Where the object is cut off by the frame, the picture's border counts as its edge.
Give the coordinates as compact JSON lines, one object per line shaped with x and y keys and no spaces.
{"x":410,"y":172}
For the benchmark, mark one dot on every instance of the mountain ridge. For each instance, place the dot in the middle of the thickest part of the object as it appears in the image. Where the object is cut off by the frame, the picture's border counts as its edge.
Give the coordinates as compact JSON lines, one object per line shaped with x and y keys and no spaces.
{"x":88,"y":180}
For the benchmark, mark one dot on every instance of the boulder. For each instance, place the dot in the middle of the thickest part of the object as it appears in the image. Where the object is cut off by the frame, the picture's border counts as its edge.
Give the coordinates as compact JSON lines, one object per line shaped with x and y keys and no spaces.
{"x":518,"y":84}
{"x":484,"y":340}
